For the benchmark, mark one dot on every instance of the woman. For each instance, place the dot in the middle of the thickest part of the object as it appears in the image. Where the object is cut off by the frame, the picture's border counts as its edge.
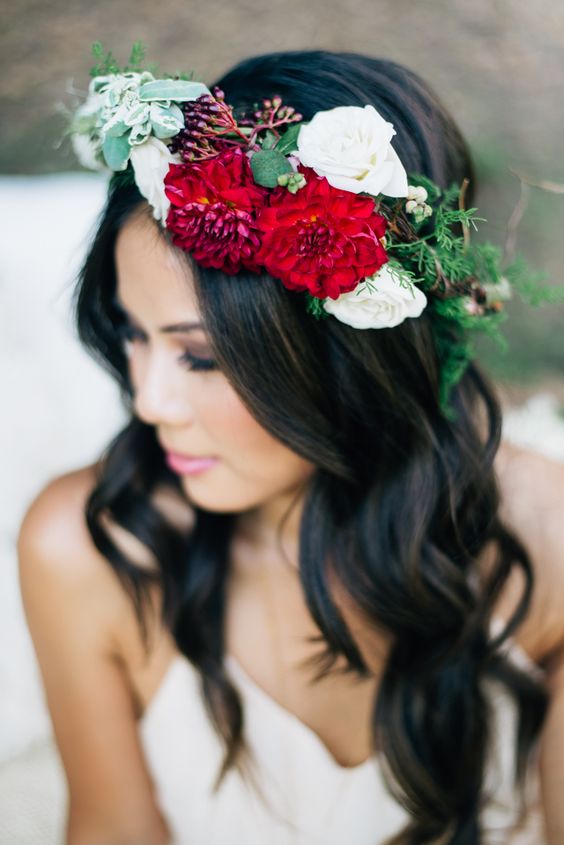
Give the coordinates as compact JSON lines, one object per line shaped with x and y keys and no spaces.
{"x":310,"y":557}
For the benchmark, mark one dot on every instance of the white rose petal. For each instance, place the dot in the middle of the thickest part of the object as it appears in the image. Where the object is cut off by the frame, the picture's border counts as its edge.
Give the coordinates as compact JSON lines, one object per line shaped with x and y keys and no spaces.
{"x":379,"y":302}
{"x":150,"y":161}
{"x":350,"y":146}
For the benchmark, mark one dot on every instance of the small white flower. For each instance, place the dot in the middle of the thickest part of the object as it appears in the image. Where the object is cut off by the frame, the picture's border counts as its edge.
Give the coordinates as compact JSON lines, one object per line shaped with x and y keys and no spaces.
{"x":350,"y":146}
{"x":150,"y":161}
{"x":417,"y":193}
{"x":378,"y":302}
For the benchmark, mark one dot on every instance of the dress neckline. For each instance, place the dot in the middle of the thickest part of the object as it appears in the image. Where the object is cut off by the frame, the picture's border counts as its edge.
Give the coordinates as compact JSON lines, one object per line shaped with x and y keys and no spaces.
{"x":253,"y":690}
{"x":249,"y":688}
{"x":291,"y":719}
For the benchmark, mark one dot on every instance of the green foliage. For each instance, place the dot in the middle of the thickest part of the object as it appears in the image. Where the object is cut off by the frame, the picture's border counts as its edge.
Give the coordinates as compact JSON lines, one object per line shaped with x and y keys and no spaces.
{"x":267,"y":166}
{"x":314,"y":306}
{"x":116,"y":152}
{"x":107,"y":64}
{"x":288,"y":142}
{"x":459,"y":278}
{"x":526,"y":282}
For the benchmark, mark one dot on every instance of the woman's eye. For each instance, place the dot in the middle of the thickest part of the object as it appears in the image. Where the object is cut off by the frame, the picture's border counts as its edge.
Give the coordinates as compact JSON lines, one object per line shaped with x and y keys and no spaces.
{"x":197,"y":364}
{"x":128,"y":334}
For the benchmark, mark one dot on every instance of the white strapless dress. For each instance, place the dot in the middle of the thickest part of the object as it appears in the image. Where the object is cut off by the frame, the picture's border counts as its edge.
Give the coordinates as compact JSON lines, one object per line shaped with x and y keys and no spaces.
{"x":310,"y":798}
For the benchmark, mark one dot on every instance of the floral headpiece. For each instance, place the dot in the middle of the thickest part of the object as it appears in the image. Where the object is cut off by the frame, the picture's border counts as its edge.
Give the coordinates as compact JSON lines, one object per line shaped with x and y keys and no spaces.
{"x":324,"y":205}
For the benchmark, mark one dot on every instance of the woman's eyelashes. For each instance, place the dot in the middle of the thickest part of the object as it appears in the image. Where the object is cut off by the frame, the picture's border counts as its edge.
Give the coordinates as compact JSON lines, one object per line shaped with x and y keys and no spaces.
{"x":129,"y":335}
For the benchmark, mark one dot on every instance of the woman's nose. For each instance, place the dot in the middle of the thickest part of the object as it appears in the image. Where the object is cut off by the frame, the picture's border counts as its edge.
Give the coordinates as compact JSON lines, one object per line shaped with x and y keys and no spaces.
{"x":159,"y":391}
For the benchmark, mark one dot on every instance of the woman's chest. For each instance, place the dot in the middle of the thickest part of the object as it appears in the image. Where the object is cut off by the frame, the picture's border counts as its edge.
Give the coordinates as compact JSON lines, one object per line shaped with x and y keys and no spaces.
{"x":273,"y":637}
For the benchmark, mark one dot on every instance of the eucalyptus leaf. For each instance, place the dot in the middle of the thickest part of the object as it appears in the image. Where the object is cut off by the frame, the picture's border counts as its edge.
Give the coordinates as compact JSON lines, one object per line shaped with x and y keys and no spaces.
{"x":179,"y":90}
{"x":116,"y":152}
{"x":267,"y":166}
{"x":288,"y":143}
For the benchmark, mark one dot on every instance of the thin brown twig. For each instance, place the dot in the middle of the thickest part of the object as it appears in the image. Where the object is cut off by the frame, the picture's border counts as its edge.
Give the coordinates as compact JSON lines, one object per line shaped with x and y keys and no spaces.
{"x":465,"y":227}
{"x":543,"y":184}
{"x":514,"y":221}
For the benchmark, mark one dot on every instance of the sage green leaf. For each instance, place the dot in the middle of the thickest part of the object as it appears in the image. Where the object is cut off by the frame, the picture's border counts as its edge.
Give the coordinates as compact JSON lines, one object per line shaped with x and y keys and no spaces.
{"x":137,"y":114}
{"x":139,"y":133}
{"x":288,"y":143}
{"x":179,"y":90}
{"x":115,"y":125}
{"x":267,"y":166}
{"x":116,"y":152}
{"x":115,"y":130}
{"x":166,"y":122}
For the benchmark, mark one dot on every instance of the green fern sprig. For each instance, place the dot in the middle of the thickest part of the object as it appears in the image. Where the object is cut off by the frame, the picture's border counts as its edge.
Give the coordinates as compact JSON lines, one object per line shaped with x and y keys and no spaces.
{"x":107,"y":63}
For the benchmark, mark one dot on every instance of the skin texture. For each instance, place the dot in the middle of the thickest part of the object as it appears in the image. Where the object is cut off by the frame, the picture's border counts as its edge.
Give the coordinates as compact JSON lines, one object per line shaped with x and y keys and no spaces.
{"x":96,"y":677}
{"x":194,"y":412}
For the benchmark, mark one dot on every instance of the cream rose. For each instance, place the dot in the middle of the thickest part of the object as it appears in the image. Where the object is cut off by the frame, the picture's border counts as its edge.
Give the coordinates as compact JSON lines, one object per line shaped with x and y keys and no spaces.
{"x":350,"y":146}
{"x":150,"y":161}
{"x":379,"y":302}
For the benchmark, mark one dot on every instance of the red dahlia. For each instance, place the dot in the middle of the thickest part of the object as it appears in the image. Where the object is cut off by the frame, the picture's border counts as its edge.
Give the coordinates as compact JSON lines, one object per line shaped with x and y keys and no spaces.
{"x":214,"y":206}
{"x":321,"y":239}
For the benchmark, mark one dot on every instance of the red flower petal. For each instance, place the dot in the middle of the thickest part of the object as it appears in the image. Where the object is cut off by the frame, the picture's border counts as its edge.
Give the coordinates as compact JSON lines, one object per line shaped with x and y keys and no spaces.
{"x":213,"y":213}
{"x":321,"y":239}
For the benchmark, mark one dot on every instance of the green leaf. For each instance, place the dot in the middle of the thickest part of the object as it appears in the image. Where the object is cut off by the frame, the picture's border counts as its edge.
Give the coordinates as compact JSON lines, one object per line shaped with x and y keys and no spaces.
{"x":116,"y":152}
{"x":106,"y":61}
{"x":178,"y":90}
{"x":269,"y":141}
{"x":267,"y":166}
{"x":288,"y":142}
{"x":115,"y":130}
{"x":137,"y":56}
{"x":314,"y":306}
{"x":166,"y":122}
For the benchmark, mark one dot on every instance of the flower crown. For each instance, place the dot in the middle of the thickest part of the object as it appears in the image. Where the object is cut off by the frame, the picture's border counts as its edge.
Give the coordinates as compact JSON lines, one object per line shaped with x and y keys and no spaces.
{"x":325,"y":205}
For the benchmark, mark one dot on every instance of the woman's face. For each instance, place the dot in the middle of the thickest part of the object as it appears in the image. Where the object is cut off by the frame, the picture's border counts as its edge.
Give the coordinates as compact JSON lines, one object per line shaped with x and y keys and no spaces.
{"x":194,"y":412}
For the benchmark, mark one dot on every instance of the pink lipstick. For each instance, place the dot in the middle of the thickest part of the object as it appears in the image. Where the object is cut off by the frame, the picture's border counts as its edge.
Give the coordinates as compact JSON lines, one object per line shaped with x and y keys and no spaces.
{"x":184,"y":465}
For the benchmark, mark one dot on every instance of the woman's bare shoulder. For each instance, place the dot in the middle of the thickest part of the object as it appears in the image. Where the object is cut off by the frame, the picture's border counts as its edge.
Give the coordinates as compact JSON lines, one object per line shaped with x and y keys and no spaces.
{"x":76,"y":610}
{"x":532,"y":505}
{"x":54,"y":537}
{"x":55,"y":549}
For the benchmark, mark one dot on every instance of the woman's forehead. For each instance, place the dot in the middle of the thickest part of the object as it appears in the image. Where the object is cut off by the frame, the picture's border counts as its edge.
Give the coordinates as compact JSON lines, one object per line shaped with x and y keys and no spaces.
{"x":152,"y":275}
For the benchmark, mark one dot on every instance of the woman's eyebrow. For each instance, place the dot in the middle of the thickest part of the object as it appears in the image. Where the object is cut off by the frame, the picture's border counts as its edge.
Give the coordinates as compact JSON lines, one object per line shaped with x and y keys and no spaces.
{"x":171,"y":329}
{"x":181,"y":327}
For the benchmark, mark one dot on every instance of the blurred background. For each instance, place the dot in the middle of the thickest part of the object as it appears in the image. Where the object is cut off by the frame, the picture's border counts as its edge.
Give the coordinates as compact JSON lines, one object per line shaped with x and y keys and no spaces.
{"x":499,"y":67}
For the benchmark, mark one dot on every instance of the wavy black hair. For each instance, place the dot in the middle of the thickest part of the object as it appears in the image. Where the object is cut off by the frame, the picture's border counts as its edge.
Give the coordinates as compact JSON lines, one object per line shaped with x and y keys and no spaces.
{"x":402,"y":501}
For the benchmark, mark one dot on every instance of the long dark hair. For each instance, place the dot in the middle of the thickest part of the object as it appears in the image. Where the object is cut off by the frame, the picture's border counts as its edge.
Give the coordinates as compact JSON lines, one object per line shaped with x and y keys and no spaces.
{"x":402,"y":501}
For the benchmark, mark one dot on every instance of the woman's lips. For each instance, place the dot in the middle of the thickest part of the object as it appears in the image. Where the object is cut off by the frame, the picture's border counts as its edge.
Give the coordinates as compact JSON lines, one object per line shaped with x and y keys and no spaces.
{"x":184,"y":465}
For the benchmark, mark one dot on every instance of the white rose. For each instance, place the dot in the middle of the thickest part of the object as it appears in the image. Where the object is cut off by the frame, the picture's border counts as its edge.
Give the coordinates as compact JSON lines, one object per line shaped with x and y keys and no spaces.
{"x":150,"y":161}
{"x":379,"y":302}
{"x":350,"y":146}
